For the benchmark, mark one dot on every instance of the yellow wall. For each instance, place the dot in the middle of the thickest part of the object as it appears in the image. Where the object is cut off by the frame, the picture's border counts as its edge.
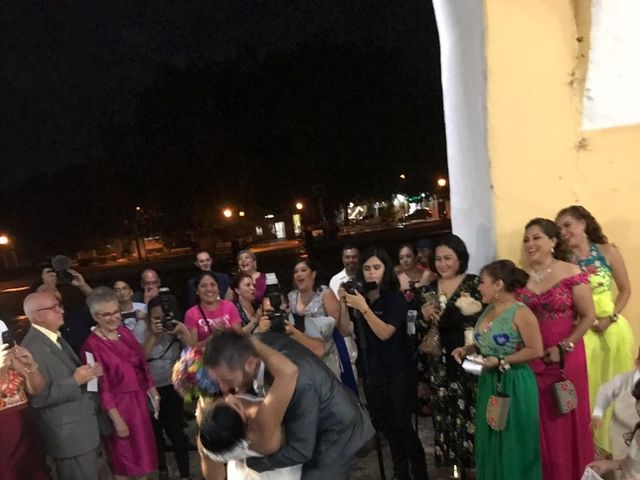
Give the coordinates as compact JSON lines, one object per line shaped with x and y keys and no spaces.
{"x":540,"y":159}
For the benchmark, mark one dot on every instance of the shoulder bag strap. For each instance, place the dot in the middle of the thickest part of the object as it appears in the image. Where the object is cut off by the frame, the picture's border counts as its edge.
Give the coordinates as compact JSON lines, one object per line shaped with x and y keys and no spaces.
{"x":204,"y":317}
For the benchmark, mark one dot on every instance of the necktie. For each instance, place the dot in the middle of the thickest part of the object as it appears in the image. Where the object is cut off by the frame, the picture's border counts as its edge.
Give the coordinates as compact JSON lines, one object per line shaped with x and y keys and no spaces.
{"x":68,"y":351}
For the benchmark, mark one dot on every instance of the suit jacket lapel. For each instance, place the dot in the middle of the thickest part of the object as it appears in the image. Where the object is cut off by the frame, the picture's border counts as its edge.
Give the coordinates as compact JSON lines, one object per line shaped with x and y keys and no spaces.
{"x":52,"y":349}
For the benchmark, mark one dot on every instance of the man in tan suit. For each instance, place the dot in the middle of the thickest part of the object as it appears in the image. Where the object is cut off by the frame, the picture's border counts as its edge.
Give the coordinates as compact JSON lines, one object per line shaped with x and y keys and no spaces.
{"x":65,"y":411}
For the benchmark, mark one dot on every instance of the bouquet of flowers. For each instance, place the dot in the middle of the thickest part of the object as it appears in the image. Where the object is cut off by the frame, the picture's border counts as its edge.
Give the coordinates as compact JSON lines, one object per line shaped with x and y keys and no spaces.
{"x":190,"y":378}
{"x":468,"y":305}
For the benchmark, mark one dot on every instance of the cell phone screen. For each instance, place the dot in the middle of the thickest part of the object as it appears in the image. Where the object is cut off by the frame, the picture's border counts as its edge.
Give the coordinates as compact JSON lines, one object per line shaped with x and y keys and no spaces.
{"x":7,"y":338}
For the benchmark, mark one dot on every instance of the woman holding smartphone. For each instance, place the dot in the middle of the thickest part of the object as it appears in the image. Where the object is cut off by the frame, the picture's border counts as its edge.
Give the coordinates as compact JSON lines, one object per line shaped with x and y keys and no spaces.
{"x":390,"y":382}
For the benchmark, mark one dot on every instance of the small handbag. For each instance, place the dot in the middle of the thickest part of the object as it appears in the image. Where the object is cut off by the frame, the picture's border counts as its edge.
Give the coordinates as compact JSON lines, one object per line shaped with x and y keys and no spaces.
{"x":498,"y":407}
{"x":430,"y":344}
{"x":564,"y":391}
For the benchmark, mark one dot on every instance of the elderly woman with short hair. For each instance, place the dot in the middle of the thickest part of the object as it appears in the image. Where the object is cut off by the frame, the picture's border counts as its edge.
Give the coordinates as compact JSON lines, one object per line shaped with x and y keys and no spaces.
{"x":124,"y":389}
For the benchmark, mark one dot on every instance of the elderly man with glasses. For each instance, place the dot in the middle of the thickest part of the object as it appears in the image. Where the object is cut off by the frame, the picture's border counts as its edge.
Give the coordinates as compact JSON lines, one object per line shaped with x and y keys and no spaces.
{"x":65,"y":411}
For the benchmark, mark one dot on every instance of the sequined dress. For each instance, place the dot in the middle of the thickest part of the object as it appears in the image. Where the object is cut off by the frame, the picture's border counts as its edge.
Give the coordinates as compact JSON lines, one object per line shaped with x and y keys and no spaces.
{"x":566,"y":442}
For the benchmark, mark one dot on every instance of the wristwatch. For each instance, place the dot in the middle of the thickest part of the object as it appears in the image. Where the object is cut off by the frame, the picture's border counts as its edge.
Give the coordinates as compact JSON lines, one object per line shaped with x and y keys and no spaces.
{"x":614,"y":317}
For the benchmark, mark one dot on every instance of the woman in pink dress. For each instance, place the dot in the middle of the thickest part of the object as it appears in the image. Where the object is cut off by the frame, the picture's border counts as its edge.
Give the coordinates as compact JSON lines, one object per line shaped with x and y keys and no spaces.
{"x":559,"y":295}
{"x":125,"y":389}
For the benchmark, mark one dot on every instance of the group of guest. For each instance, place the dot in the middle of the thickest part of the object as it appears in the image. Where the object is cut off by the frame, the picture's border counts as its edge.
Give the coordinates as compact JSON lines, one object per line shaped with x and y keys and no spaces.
{"x":528,"y":330}
{"x":560,"y":320}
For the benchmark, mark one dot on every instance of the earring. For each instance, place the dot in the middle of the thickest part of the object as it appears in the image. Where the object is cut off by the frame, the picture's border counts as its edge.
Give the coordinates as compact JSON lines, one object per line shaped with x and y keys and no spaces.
{"x":553,"y":251}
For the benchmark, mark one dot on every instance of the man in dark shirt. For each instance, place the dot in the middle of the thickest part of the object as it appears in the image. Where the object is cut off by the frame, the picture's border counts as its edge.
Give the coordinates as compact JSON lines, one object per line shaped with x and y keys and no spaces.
{"x":204,"y":262}
{"x":150,"y":282}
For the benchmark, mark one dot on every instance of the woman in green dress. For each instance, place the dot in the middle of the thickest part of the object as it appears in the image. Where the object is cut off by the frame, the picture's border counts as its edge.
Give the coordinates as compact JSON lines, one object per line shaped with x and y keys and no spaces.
{"x":507,"y":336}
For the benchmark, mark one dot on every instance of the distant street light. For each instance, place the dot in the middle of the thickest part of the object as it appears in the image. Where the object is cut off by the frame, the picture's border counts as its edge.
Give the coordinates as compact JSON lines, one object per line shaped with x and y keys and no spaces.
{"x":138,"y":209}
{"x":442,"y":182}
{"x":227,"y":212}
{"x":299,"y":206}
{"x":241,"y":213}
{"x":402,"y":176}
{"x":4,"y":240}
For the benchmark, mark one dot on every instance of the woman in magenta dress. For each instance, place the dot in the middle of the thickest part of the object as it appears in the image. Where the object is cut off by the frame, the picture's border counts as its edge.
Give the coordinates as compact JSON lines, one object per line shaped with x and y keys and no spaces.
{"x":125,"y":389}
{"x":559,"y":295}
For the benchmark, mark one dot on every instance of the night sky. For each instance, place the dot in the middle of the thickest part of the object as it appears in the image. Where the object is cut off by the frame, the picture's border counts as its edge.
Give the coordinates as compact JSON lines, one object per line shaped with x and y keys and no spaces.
{"x":70,"y":67}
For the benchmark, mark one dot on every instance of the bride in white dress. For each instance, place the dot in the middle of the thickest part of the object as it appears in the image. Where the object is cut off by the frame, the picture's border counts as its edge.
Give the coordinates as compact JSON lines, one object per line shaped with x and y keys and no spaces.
{"x":243,"y":426}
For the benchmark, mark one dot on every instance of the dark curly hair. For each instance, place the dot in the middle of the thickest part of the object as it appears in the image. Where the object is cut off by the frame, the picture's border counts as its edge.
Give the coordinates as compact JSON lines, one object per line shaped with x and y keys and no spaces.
{"x":505,"y":270}
{"x":551,"y":230}
{"x":593,"y":230}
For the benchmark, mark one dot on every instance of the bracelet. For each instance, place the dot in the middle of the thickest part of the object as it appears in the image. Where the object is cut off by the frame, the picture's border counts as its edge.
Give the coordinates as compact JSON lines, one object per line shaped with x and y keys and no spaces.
{"x":33,"y":370}
{"x":566,"y":346}
{"x":366,"y":311}
{"x":503,"y":365}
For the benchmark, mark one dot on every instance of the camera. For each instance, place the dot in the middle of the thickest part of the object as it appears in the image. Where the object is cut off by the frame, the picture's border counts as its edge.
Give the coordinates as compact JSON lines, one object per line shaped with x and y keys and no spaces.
{"x":277,"y":316}
{"x":353,"y":286}
{"x":61,"y":265}
{"x":169,"y":320}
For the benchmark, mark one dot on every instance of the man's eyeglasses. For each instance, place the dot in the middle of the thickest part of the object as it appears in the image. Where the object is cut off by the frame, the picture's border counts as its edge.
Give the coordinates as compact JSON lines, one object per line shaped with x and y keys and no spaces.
{"x":52,"y":307}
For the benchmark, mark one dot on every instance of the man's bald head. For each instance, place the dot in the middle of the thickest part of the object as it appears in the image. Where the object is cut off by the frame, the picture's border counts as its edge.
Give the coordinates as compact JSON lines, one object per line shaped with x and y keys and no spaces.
{"x":44,"y":309}
{"x":149,"y":278}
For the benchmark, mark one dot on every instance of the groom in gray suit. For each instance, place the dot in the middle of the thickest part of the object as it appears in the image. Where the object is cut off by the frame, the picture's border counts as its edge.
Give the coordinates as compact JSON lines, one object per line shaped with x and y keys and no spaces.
{"x":325,"y":426}
{"x":66,"y":413}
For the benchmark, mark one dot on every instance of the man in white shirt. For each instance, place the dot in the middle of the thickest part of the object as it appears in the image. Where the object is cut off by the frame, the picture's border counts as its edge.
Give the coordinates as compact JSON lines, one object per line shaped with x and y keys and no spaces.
{"x":133,"y":314}
{"x":350,"y":260}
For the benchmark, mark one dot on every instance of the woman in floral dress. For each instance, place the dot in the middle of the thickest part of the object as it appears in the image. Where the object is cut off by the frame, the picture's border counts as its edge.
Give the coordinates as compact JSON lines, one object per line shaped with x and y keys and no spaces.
{"x":453,"y":390}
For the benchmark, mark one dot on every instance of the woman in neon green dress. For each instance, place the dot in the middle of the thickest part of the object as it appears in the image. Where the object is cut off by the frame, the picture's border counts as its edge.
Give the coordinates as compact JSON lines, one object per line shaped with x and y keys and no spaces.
{"x":609,"y":343}
{"x":507,"y":336}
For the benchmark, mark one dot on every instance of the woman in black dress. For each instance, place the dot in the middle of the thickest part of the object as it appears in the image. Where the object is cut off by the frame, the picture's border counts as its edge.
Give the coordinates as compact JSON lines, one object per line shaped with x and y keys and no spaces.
{"x":452,"y":304}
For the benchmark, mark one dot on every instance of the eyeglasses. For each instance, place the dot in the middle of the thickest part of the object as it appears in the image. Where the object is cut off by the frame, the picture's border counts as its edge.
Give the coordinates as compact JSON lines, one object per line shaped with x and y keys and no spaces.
{"x":52,"y":307}
{"x":107,"y":315}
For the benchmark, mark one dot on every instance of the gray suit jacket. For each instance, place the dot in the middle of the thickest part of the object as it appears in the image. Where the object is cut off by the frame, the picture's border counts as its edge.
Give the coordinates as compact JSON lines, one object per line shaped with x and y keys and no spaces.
{"x":66,"y":413}
{"x":325,"y":426}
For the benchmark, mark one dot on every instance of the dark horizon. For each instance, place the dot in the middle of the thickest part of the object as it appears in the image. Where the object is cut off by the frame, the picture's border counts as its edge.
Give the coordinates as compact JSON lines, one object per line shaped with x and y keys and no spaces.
{"x":109,"y":106}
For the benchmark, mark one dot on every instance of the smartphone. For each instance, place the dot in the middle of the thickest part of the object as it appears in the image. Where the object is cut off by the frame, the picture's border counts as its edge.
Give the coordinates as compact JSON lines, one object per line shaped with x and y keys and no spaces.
{"x":7,"y":338}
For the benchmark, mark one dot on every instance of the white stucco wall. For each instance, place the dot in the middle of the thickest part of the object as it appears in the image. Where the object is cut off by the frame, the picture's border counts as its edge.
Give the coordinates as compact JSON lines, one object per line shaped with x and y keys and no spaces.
{"x":461,"y":30}
{"x":611,"y":92}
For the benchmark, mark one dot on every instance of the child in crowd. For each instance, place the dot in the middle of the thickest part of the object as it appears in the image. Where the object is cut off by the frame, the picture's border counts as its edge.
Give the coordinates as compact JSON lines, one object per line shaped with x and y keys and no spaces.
{"x":619,"y":392}
{"x":629,"y":466}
